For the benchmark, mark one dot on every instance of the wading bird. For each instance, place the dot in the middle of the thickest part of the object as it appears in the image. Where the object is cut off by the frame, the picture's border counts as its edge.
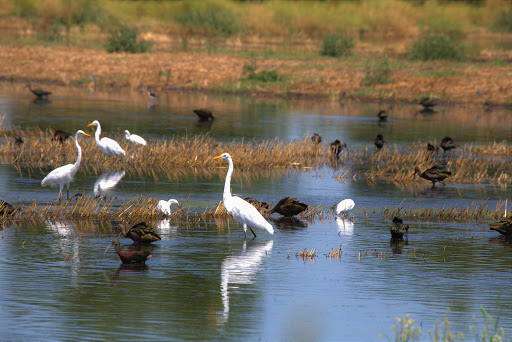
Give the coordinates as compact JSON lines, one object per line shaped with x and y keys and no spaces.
{"x":130,"y":257}
{"x":204,"y":114}
{"x":6,"y":209}
{"x":345,"y":206}
{"x":427,"y":102}
{"x":165,"y":206}
{"x":448,"y":144}
{"x":379,"y":142}
{"x":382,"y":115}
{"x":316,"y":138}
{"x":434,"y":174}
{"x":18,"y":140}
{"x":106,"y":145}
{"x":503,"y":226}
{"x":64,"y":175}
{"x":337,"y":147}
{"x":61,"y":136}
{"x":134,"y":138}
{"x":242,"y":211}
{"x":40,"y":93}
{"x":151,"y":94}
{"x":398,"y":228}
{"x":289,"y":206}
{"x":140,"y":233}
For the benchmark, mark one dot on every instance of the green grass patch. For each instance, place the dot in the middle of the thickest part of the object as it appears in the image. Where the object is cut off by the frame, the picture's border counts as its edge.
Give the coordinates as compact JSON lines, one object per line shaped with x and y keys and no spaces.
{"x":249,"y":73}
{"x":377,"y":74}
{"x":503,"y":22}
{"x":337,"y":45}
{"x":434,"y":72}
{"x":436,"y":47}
{"x":210,"y":16}
{"x":124,"y":39}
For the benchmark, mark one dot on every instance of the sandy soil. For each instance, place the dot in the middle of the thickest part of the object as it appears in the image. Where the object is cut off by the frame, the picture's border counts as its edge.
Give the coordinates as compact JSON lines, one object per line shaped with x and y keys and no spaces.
{"x":201,"y":71}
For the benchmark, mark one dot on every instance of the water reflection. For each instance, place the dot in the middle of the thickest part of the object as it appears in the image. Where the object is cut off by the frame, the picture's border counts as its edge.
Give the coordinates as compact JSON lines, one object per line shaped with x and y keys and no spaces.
{"x":125,"y":271}
{"x":68,"y":245}
{"x":290,"y":223}
{"x":345,"y":226}
{"x":106,"y":181}
{"x":166,"y":227}
{"x":241,"y":269}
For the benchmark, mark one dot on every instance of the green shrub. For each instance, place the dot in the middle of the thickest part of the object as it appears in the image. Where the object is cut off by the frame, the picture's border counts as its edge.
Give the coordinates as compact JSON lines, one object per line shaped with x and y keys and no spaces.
{"x":52,"y":33}
{"x":124,"y":39}
{"x":381,"y":74}
{"x":249,"y":73}
{"x":504,"y":22}
{"x":436,"y":46}
{"x":210,"y":16}
{"x":337,"y":45}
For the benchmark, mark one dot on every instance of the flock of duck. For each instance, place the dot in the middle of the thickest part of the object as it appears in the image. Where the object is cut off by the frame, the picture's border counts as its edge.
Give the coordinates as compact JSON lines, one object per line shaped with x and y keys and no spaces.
{"x":245,"y":211}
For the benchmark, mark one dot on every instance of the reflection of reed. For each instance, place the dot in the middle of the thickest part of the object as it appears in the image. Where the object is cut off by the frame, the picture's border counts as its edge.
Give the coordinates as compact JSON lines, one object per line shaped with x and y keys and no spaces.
{"x":241,"y":269}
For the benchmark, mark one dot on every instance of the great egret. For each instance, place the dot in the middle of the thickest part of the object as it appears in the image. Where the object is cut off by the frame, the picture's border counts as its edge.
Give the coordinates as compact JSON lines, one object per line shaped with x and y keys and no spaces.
{"x":165,"y":206}
{"x":204,"y":114}
{"x":448,"y":144}
{"x":140,"y":233}
{"x":242,"y":211}
{"x":398,"y":228}
{"x":64,"y":175}
{"x":289,"y":206}
{"x":379,"y":141}
{"x":106,"y":145}
{"x":131,"y":257}
{"x":434,"y":174}
{"x":134,"y":138}
{"x":344,"y":206}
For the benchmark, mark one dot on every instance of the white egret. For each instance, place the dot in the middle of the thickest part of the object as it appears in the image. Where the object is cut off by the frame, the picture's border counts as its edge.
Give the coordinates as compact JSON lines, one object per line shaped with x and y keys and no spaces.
{"x":165,"y":206}
{"x":134,"y":138}
{"x":106,"y":145}
{"x":344,"y":206}
{"x":64,"y":175}
{"x":241,"y":210}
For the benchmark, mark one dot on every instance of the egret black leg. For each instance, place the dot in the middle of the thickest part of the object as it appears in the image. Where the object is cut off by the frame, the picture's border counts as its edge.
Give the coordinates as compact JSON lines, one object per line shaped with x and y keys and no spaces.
{"x":252,"y":232}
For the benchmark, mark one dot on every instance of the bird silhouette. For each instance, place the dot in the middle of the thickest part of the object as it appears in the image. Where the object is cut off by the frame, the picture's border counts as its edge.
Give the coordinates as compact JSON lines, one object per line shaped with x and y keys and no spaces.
{"x":316,"y":138}
{"x":204,"y":114}
{"x":289,"y":206}
{"x":337,"y":147}
{"x":18,"y":140}
{"x":140,"y":233}
{"x":60,"y":136}
{"x":382,"y":115}
{"x":130,"y":257}
{"x":503,"y":226}
{"x":434,"y":174}
{"x":379,"y":141}
{"x":398,"y":228}
{"x":151,"y":94}
{"x":427,"y":102}
{"x":448,"y":144}
{"x":40,"y":93}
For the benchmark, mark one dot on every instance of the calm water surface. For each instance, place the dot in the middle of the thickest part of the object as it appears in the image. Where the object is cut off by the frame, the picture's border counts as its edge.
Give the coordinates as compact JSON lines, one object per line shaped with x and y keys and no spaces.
{"x":205,"y":281}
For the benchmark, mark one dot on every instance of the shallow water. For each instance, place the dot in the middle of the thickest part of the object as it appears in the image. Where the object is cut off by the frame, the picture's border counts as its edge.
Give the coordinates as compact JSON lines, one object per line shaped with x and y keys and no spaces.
{"x":205,"y":281}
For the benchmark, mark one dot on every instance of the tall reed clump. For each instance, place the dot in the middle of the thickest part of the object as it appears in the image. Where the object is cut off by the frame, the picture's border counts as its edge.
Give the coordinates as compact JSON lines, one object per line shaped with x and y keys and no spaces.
{"x":337,"y":45}
{"x":436,"y":47}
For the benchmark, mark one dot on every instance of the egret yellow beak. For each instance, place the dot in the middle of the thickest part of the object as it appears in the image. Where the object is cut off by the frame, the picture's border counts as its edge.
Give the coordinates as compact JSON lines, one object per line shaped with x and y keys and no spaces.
{"x":87,"y":135}
{"x":218,"y":157}
{"x":91,"y":124}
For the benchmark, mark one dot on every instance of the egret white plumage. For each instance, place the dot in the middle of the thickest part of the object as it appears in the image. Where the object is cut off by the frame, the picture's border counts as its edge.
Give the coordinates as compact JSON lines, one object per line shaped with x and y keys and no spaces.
{"x":134,"y":138}
{"x":241,"y":210}
{"x":64,"y":175}
{"x":165,"y":206}
{"x":344,"y":206}
{"x":106,"y":145}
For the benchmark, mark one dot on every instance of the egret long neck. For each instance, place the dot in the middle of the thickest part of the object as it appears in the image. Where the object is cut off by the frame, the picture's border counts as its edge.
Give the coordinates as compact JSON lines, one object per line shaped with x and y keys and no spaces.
{"x":79,"y":156}
{"x":98,"y":132}
{"x":226,"y":197}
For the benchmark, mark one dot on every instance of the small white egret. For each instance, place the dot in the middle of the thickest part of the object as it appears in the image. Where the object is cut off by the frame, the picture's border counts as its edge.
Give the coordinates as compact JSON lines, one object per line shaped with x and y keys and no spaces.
{"x":134,"y":138}
{"x":106,"y":145}
{"x":165,"y":206}
{"x":241,"y":210}
{"x":64,"y":175}
{"x":344,"y":206}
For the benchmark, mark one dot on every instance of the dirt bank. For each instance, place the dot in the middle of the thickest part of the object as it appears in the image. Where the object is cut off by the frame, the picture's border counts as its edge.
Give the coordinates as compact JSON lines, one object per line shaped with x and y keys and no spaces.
{"x":312,"y":77}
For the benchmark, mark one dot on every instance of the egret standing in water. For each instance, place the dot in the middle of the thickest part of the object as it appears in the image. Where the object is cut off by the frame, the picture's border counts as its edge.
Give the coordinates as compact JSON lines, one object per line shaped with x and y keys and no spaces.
{"x":165,"y":206}
{"x":64,"y":175}
{"x":134,"y":138}
{"x":242,"y":211}
{"x":344,"y":206}
{"x":106,"y":145}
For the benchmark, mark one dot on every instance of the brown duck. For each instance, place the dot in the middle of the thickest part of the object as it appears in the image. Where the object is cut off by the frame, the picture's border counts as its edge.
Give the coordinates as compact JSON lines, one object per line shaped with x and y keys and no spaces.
{"x":434,"y":174}
{"x":504,"y":226}
{"x":289,"y":206}
{"x":140,"y":233}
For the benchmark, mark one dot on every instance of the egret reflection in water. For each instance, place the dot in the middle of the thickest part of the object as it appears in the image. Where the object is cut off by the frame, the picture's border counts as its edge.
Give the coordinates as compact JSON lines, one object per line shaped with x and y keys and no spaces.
{"x":165,"y":226}
{"x":241,"y":269}
{"x":345,"y":226}
{"x":106,"y":181}
{"x":66,"y":246}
